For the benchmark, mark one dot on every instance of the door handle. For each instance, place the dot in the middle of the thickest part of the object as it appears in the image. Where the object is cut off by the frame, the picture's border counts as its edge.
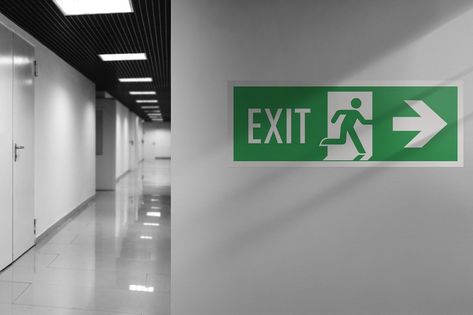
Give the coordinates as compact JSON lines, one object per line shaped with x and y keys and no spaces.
{"x":18,"y":147}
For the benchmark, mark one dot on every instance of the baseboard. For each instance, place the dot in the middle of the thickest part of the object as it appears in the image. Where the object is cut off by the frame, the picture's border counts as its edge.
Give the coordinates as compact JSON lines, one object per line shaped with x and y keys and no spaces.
{"x":61,"y":222}
{"x":120,"y":177}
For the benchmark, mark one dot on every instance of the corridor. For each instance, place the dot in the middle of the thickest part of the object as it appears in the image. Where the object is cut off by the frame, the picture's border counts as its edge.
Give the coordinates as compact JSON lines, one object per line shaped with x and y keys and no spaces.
{"x":111,"y":258}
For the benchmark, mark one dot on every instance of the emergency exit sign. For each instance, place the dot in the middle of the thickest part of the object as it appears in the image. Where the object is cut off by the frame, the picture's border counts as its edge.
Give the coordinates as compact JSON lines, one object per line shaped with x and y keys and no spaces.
{"x":372,"y":125}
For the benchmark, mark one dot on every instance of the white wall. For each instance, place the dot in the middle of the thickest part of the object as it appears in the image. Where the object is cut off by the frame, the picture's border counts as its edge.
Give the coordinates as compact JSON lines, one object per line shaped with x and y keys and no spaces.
{"x":140,"y":140}
{"x":106,"y":162}
{"x":157,"y":138}
{"x":64,"y":136}
{"x":132,"y":137}
{"x":122,"y":129}
{"x":136,"y":138}
{"x":311,"y":241}
{"x":122,"y":140}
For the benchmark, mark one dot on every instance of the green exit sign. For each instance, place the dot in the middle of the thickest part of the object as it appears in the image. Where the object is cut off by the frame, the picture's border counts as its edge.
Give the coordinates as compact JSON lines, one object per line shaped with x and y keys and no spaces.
{"x":372,"y":125}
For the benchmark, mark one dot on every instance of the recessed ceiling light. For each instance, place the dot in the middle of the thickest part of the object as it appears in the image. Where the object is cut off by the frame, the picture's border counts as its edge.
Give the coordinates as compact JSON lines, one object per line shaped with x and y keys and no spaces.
{"x":144,"y":237}
{"x":142,"y":93}
{"x":135,"y":79}
{"x":153,"y":214}
{"x":121,"y":57}
{"x":79,"y":7}
{"x":147,"y":101}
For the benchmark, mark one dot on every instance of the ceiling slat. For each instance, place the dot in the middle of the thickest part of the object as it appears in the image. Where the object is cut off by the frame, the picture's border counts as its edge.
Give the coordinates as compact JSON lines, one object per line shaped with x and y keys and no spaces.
{"x":79,"y":39}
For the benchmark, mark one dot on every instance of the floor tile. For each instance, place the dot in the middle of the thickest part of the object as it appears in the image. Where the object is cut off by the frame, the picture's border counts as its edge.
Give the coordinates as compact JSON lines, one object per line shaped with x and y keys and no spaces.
{"x":105,"y":260}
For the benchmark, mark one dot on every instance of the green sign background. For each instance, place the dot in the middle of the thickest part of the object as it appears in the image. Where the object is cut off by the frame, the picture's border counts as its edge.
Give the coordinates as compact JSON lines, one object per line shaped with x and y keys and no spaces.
{"x":388,"y":102}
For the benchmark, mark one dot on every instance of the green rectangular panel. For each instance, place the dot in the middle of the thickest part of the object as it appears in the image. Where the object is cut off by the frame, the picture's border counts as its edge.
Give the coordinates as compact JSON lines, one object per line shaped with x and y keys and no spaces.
{"x":362,"y":125}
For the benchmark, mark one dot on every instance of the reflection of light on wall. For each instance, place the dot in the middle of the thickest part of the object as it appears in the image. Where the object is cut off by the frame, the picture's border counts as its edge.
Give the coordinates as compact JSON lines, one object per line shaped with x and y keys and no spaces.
{"x":5,"y":60}
{"x":22,"y":61}
{"x":17,"y":60}
{"x":153,"y":214}
{"x":140,"y":288}
{"x":28,"y":82}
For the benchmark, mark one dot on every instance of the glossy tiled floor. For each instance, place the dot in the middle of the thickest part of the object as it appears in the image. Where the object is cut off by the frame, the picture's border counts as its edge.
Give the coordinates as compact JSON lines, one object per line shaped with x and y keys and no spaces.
{"x":112,"y":258}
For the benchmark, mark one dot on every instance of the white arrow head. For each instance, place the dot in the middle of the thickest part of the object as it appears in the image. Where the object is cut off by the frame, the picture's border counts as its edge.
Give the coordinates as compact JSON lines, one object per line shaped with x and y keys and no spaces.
{"x":429,"y":124}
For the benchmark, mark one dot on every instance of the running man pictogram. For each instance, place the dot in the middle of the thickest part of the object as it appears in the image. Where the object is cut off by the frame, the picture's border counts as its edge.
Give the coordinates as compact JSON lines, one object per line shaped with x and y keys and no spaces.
{"x":351,"y":116}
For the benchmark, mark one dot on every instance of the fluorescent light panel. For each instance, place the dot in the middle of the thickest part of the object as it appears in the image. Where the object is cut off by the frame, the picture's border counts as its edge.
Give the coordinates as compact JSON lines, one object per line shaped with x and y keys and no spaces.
{"x":80,"y":7}
{"x":142,"y":93}
{"x":147,"y":101}
{"x":153,"y":214}
{"x":135,"y":79}
{"x":122,"y":57}
{"x":144,"y":237}
{"x":150,"y":107}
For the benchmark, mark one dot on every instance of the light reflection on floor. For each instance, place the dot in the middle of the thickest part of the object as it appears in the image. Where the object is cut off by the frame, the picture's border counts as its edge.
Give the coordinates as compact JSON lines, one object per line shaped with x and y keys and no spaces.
{"x":112,"y":258}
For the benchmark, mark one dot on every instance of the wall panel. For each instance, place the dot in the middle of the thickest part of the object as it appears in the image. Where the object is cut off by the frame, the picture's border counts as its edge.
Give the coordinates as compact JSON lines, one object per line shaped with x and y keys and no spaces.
{"x":344,"y":241}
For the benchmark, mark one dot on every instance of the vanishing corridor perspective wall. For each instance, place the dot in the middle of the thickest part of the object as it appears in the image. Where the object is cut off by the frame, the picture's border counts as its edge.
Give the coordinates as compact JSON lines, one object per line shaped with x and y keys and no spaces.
{"x":64,"y":135}
{"x":122,"y":140}
{"x":136,"y":140}
{"x":122,"y":149}
{"x":344,"y":241}
{"x":157,"y":138}
{"x":106,"y":159}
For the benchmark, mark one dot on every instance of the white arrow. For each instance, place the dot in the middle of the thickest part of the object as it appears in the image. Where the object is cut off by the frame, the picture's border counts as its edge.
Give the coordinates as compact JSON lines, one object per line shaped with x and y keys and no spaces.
{"x":428,"y":124}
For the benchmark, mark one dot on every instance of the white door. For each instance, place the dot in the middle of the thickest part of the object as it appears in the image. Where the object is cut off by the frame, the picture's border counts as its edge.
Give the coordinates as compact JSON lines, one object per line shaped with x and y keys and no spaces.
{"x":6,"y":62}
{"x":23,"y":146}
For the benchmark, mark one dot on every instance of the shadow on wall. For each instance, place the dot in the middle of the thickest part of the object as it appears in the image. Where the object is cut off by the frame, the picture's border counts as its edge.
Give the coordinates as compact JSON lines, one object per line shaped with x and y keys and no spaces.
{"x":342,"y":40}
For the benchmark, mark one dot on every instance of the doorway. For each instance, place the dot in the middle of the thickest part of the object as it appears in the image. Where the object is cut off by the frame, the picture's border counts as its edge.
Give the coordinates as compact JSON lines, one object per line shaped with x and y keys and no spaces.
{"x":16,"y":146}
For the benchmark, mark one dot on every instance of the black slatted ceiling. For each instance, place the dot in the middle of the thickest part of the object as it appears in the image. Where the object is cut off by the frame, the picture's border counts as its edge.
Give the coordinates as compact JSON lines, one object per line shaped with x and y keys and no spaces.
{"x":79,"y":40}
